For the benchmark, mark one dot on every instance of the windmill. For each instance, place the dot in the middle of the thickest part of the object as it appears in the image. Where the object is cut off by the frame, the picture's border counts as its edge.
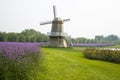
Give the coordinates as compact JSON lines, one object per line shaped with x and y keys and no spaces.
{"x":57,"y":37}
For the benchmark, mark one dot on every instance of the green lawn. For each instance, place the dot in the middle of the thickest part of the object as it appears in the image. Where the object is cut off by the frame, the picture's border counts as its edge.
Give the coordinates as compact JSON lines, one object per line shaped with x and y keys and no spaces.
{"x":70,"y":64}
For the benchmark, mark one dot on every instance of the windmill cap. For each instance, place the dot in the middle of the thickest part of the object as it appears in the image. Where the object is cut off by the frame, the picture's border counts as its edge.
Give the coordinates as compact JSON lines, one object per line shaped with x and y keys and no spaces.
{"x":57,"y":21}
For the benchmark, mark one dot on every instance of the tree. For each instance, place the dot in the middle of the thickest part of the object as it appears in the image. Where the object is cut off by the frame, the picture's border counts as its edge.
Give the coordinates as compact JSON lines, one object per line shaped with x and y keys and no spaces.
{"x":22,"y":38}
{"x":101,"y":37}
{"x":112,"y":38}
{"x":12,"y":37}
{"x":33,"y":38}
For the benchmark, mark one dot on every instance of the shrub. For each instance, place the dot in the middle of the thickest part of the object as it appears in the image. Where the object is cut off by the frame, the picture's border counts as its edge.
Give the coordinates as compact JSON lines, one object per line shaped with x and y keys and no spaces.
{"x":103,"y":54}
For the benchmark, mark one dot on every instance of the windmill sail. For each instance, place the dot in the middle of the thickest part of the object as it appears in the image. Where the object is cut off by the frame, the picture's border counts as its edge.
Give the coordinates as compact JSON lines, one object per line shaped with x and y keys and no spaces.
{"x":66,"y":20}
{"x":46,"y":22}
{"x":54,"y":11}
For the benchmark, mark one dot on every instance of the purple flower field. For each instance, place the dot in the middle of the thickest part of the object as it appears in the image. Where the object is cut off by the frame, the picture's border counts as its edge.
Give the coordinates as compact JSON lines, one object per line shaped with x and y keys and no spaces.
{"x":19,"y":60}
{"x":15,"y":50}
{"x":91,"y":44}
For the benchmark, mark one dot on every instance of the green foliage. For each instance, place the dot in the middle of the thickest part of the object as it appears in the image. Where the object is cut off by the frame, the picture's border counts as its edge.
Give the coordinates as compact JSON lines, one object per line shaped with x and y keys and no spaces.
{"x":28,"y":69}
{"x":99,"y":37}
{"x":3,"y":36}
{"x":34,"y":36}
{"x":31,"y":35}
{"x":27,"y":35}
{"x":22,"y":38}
{"x":111,"y":39}
{"x":12,"y":37}
{"x":103,"y":54}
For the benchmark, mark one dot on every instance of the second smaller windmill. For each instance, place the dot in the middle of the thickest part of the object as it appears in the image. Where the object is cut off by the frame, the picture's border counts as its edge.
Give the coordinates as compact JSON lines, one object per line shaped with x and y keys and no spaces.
{"x":57,"y":37}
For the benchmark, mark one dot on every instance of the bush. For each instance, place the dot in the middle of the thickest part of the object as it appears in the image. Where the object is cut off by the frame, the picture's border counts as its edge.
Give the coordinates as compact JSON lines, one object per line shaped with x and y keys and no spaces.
{"x":103,"y":54}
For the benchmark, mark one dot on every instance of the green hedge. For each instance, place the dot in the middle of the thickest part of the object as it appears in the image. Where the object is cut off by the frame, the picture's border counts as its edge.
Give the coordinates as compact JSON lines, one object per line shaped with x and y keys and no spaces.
{"x":103,"y":54}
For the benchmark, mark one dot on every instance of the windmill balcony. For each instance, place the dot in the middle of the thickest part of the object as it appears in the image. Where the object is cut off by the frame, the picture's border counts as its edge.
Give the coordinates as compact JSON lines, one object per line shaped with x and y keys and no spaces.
{"x":56,"y":34}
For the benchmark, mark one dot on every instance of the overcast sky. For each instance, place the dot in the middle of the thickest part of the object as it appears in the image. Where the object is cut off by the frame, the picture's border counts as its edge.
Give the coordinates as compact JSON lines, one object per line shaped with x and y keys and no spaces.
{"x":88,"y":17}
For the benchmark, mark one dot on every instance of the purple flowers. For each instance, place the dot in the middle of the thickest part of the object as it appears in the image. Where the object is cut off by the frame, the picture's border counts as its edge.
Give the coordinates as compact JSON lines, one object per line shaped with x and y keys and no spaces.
{"x":15,"y":50}
{"x":19,"y":60}
{"x":91,"y":44}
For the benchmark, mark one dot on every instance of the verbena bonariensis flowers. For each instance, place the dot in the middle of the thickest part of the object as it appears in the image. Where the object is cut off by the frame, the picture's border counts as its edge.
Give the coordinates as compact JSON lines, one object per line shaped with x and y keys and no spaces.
{"x":91,"y":44}
{"x":14,"y":50}
{"x":19,"y":61}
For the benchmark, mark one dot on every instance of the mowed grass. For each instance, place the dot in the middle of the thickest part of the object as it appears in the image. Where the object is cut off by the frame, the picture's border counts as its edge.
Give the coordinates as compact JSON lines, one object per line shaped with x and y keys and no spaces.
{"x":70,"y":64}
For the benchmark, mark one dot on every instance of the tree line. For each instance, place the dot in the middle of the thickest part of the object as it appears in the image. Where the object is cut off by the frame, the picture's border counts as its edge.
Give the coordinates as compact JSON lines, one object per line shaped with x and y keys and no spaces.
{"x":110,"y":39}
{"x":27,"y":35}
{"x":31,"y":35}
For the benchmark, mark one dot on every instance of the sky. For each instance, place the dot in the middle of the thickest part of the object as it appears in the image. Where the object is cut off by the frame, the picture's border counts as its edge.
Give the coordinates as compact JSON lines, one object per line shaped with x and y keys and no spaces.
{"x":88,"y":18}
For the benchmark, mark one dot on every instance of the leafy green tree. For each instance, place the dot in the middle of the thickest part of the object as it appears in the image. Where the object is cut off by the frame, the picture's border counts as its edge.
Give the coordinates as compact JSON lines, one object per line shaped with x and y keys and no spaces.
{"x":33,"y":38}
{"x":112,"y":38}
{"x":12,"y":37}
{"x":101,"y":37}
{"x":22,"y":38}
{"x":1,"y":36}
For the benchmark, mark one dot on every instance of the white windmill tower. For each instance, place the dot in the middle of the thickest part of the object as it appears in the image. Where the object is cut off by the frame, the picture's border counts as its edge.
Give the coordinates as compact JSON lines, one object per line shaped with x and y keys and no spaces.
{"x":57,"y":37}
